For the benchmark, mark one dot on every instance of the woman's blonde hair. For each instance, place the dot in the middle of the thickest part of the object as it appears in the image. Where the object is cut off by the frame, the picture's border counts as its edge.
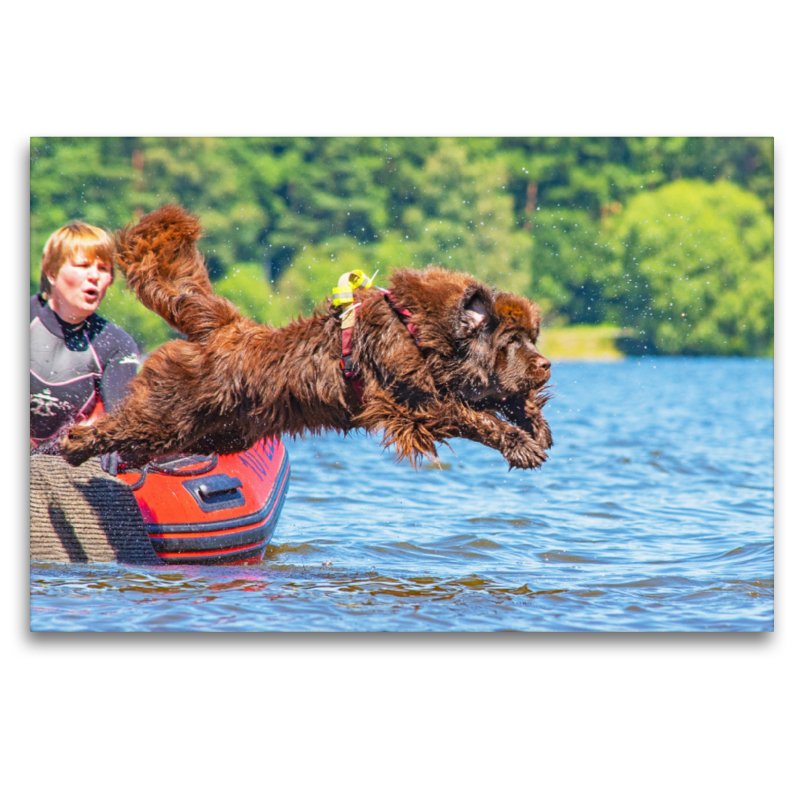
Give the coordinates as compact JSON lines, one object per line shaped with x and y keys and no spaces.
{"x":94,"y":243}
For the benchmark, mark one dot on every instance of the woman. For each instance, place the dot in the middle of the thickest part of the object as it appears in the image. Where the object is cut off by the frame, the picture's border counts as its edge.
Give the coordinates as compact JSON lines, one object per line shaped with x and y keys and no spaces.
{"x":80,"y":363}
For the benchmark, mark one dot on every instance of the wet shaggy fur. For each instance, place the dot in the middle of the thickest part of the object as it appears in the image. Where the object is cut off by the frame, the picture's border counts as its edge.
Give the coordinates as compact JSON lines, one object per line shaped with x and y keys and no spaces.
{"x":470,"y":370}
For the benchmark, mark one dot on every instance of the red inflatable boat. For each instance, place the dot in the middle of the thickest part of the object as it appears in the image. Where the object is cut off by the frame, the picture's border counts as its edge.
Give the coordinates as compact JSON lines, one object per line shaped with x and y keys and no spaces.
{"x":213,"y":509}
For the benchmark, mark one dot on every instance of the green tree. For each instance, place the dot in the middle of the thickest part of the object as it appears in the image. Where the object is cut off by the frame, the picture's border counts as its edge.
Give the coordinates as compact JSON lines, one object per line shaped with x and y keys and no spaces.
{"x":428,"y":203}
{"x":694,"y":269}
{"x":246,"y":285}
{"x":123,"y":308}
{"x":458,"y":213}
{"x":570,"y":265}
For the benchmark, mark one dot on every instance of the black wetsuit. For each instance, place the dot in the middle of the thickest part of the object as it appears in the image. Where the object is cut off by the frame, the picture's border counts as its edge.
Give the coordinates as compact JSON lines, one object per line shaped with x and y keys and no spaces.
{"x":74,"y":366}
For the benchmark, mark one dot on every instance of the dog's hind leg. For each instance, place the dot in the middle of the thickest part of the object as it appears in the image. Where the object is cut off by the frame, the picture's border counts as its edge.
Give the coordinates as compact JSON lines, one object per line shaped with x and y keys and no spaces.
{"x":163,"y":414}
{"x":137,"y":440}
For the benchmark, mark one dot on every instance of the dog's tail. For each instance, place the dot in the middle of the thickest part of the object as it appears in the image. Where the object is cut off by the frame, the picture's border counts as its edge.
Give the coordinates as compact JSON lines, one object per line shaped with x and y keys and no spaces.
{"x":161,"y":263}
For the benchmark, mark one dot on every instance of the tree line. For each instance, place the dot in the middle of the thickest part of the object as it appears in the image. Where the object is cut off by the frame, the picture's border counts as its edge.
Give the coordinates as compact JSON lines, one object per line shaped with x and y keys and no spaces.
{"x":670,"y":238}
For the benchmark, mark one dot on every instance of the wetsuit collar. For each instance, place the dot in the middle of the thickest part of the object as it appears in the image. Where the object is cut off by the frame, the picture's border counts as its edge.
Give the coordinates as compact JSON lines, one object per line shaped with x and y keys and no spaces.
{"x":54,"y":323}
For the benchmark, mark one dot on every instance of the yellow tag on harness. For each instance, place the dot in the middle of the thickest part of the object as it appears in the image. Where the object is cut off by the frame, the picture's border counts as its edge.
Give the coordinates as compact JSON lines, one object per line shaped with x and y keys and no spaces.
{"x":348,"y":283}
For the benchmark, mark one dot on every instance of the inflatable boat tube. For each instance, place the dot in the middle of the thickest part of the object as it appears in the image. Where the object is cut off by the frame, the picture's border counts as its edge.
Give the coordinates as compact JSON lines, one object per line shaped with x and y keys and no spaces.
{"x":213,"y":509}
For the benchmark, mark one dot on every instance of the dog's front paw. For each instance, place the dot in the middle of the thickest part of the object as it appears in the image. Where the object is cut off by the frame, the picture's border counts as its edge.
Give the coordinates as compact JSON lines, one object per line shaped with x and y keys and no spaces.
{"x":78,"y":444}
{"x":522,"y":452}
{"x":539,"y":428}
{"x":541,"y":432}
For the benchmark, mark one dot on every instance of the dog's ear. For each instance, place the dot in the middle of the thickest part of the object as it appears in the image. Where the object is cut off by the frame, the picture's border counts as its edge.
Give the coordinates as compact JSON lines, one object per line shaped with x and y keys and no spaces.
{"x":475,"y":313}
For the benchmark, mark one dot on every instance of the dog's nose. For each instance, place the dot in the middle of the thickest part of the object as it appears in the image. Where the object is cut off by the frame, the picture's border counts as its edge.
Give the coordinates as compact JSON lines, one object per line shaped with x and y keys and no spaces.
{"x":543,"y":363}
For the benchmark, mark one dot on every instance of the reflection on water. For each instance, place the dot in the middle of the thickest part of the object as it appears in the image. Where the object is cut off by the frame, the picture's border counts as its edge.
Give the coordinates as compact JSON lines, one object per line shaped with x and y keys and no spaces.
{"x":654,"y":513}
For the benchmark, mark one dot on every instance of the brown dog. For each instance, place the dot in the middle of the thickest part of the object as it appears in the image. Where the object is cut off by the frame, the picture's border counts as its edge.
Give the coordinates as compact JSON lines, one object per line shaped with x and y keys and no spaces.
{"x":438,"y":357}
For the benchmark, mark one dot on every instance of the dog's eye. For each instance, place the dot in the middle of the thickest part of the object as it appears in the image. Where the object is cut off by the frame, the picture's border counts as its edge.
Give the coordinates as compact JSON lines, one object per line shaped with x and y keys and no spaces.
{"x":525,"y":343}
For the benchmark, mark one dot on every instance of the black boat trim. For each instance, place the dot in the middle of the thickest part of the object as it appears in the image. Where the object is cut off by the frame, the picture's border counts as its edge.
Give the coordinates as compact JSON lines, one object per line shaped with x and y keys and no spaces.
{"x":236,"y":539}
{"x":239,"y":553}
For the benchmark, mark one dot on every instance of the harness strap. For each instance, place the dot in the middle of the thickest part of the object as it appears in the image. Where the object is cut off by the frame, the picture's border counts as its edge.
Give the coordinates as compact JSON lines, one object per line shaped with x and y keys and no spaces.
{"x":346,"y":363}
{"x":412,"y":327}
{"x":343,"y":296}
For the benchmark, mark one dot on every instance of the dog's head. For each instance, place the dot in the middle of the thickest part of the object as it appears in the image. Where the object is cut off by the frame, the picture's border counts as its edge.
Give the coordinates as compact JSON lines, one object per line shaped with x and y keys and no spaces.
{"x":477,"y":345}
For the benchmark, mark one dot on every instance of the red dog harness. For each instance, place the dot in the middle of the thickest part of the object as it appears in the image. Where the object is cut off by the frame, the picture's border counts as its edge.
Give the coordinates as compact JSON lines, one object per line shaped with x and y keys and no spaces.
{"x":343,"y":295}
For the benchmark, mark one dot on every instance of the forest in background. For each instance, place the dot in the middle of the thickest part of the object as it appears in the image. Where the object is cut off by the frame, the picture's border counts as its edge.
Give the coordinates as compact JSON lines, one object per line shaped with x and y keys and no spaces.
{"x":667,"y":238}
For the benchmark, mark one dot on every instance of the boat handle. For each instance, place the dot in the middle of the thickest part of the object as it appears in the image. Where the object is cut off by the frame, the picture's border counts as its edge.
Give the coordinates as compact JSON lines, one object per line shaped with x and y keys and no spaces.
{"x":215,"y":492}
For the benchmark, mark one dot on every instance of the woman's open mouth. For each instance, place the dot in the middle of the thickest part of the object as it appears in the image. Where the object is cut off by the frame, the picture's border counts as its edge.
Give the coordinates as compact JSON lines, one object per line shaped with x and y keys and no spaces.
{"x":91,"y":295}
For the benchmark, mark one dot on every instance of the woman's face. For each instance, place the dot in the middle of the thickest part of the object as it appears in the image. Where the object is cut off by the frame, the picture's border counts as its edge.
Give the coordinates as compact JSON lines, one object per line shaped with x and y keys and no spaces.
{"x":79,"y":288}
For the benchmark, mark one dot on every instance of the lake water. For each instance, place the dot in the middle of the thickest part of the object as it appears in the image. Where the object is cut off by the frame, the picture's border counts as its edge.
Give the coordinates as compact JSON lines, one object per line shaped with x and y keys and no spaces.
{"x":654,"y":513}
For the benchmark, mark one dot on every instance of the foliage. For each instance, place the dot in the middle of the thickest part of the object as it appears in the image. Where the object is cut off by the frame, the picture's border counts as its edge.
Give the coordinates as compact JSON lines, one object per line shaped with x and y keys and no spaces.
{"x":459,"y":214}
{"x":246,"y":285}
{"x":570,"y":264}
{"x":694,"y":266}
{"x":546,"y":217}
{"x":123,"y":308}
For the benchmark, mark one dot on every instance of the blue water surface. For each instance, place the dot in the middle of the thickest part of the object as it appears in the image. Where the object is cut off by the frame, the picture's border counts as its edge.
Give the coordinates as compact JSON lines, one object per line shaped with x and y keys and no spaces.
{"x":654,"y":513}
